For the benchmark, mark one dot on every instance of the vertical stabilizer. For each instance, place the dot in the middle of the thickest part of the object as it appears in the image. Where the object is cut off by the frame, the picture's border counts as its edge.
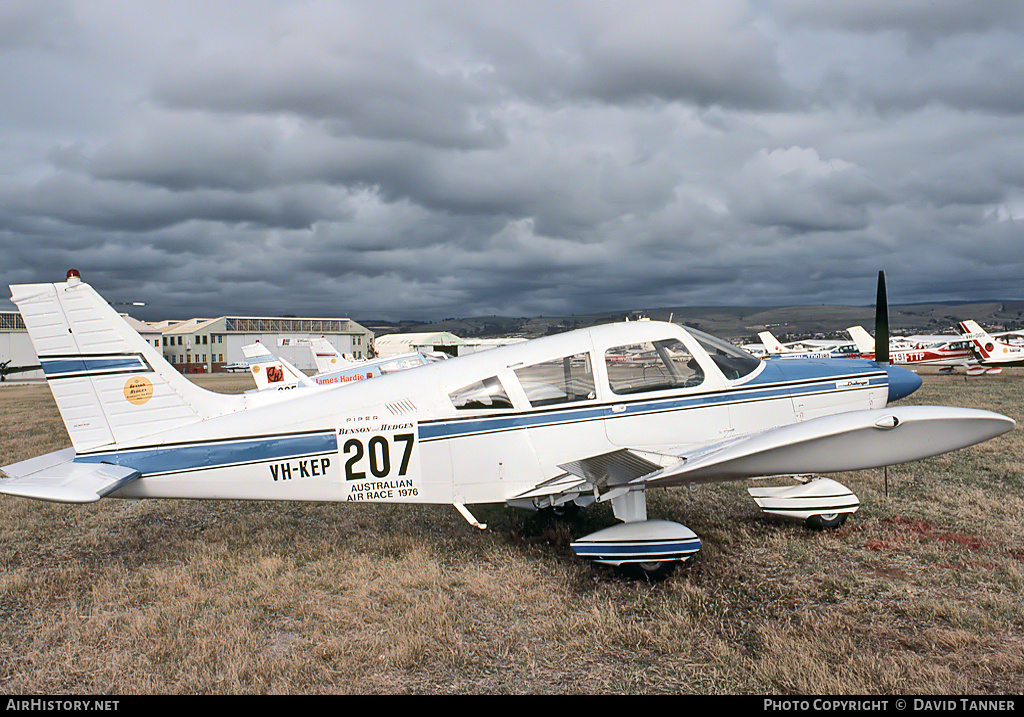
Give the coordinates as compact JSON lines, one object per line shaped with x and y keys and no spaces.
{"x":326,"y":356}
{"x":270,"y":371}
{"x":983,"y":343}
{"x":771,"y":344}
{"x":865,"y":341}
{"x":110,"y":385}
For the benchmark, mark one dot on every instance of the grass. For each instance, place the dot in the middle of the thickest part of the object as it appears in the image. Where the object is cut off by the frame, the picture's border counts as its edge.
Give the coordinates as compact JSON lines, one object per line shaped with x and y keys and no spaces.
{"x":919,"y":593}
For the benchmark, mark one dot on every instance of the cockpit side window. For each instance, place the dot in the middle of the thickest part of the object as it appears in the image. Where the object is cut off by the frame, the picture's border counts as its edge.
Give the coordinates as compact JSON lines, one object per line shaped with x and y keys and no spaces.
{"x":488,"y":394}
{"x":563,"y":380}
{"x":652,"y":366}
{"x":734,"y":362}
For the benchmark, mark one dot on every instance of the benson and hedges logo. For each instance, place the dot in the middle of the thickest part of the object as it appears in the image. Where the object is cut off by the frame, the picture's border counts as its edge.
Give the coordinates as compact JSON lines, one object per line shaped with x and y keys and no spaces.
{"x":138,"y":390}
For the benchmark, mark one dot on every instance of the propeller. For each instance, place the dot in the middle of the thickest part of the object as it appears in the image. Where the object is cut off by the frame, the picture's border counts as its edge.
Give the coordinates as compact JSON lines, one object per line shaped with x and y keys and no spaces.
{"x":881,"y":323}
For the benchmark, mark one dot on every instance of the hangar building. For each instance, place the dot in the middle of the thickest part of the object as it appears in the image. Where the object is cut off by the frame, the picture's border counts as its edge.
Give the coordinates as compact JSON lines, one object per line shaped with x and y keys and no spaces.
{"x":207,"y":345}
{"x":16,"y":347}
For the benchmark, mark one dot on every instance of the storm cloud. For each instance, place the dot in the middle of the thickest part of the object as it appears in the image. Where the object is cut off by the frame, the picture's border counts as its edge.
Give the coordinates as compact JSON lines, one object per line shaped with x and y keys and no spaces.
{"x":422,"y":160}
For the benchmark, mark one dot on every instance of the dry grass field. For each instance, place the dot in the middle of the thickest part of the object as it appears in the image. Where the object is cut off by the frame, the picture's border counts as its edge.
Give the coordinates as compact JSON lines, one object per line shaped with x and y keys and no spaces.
{"x":920,"y":592}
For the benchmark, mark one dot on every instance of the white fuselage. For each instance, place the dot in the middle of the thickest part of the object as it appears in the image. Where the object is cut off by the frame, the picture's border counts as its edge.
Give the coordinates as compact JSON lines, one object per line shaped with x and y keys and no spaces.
{"x":433,"y":435}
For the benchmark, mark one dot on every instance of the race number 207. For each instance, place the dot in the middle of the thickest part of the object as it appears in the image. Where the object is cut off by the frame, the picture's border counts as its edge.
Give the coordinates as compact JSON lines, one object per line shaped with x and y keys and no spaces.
{"x":377,"y":455}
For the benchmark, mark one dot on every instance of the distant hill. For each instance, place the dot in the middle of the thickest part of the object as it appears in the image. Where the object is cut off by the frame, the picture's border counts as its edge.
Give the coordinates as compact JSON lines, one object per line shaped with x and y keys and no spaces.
{"x":739,"y":323}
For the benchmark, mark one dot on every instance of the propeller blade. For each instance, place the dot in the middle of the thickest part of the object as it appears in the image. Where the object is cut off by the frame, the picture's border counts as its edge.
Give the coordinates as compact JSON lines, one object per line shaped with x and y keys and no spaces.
{"x":881,"y":322}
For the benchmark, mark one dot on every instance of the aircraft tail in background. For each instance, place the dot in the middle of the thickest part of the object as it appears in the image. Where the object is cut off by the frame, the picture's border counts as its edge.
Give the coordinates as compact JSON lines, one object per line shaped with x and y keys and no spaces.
{"x":865,"y":341}
{"x":270,"y":371}
{"x":327,"y":357}
{"x":771,"y":344}
{"x":989,"y":349}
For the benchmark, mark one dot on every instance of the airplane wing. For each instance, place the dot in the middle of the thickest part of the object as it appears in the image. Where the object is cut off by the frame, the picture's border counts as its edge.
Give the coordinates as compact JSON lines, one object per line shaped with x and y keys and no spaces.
{"x":844,"y":442}
{"x":59,"y":478}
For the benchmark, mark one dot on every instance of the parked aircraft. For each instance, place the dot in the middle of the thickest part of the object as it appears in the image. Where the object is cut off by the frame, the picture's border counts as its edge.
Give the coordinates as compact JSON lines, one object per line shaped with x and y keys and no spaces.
{"x":990,"y":350}
{"x":773,"y":348}
{"x":947,"y":352}
{"x":549,"y":423}
{"x":273,"y":372}
{"x":325,"y":356}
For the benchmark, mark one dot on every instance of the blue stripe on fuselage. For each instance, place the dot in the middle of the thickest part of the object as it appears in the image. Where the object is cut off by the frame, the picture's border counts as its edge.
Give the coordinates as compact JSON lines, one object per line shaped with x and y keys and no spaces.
{"x":799,"y":377}
{"x":217,"y":454}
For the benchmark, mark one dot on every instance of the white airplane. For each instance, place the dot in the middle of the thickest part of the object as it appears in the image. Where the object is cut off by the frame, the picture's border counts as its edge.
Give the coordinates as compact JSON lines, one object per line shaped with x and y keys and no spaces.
{"x":326,"y":357}
{"x":773,"y":348}
{"x":989,"y":350}
{"x":273,"y":372}
{"x":466,"y":431}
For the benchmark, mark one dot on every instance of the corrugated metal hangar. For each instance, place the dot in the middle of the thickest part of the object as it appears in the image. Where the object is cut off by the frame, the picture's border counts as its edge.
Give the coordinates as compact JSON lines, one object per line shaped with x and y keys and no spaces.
{"x":208,"y":345}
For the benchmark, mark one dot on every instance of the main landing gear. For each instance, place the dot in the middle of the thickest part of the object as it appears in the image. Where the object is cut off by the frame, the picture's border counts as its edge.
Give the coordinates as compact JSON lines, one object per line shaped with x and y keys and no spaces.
{"x":648,"y":549}
{"x":652,"y":549}
{"x":822,"y":503}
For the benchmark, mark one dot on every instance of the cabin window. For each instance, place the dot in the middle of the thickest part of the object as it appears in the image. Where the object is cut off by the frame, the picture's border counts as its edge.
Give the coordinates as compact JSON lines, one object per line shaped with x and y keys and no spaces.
{"x":488,"y":394}
{"x":652,"y":366}
{"x":562,"y":380}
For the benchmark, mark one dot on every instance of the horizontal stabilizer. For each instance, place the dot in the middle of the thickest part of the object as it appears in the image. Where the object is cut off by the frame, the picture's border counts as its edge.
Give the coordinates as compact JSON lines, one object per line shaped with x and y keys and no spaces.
{"x":844,"y":442}
{"x":57,"y":477}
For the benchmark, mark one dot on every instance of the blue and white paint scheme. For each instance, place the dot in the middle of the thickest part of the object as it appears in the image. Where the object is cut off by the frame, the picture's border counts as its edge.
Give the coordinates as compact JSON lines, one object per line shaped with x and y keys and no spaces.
{"x":593,"y":415}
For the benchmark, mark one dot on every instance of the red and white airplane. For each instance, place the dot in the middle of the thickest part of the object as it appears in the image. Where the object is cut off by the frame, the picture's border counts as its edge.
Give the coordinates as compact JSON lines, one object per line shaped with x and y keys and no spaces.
{"x":991,"y":351}
{"x":946,"y":352}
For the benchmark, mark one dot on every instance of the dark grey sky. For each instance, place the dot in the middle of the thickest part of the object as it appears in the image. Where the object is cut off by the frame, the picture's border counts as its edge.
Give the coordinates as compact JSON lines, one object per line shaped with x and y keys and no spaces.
{"x":428,"y":159}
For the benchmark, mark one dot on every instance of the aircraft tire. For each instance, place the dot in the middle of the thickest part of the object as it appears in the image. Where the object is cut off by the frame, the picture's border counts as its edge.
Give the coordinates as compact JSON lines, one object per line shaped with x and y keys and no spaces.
{"x":827,"y":521}
{"x":566,"y":511}
{"x":652,"y":572}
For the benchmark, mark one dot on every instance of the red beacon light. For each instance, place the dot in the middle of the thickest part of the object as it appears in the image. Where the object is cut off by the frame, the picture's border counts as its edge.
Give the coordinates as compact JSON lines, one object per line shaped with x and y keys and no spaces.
{"x":73,"y":276}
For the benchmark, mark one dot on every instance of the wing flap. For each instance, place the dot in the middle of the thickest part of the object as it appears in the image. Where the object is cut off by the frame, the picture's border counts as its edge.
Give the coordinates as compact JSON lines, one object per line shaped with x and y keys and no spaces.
{"x":619,"y":467}
{"x":564,"y":484}
{"x":597,"y":475}
{"x":56,"y":477}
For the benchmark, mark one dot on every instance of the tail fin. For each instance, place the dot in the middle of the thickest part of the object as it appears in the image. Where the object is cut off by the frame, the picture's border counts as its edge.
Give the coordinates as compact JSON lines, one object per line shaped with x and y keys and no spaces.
{"x":971,"y":329}
{"x":326,"y":356}
{"x":982,"y":342}
{"x":771,"y":344}
{"x":110,"y":385}
{"x":991,"y":349}
{"x":865,"y":341}
{"x":270,"y":371}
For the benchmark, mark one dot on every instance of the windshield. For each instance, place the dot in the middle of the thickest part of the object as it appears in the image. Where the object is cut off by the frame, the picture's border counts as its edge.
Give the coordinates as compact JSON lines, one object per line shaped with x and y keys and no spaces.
{"x":734,"y":362}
